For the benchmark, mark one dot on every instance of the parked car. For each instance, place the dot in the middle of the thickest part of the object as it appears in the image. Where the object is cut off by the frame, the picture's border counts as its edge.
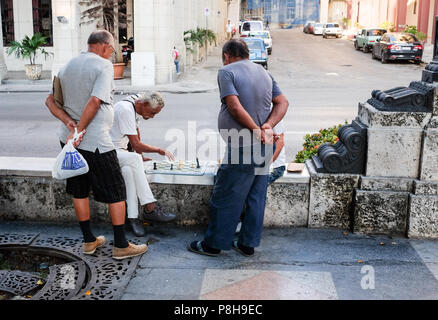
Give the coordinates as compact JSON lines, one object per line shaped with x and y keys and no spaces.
{"x":251,"y":26}
{"x":398,"y":46}
{"x":332,"y":30}
{"x":317,"y":28}
{"x":367,"y":38}
{"x":308,"y":27}
{"x":257,"y":51}
{"x":265,"y":36}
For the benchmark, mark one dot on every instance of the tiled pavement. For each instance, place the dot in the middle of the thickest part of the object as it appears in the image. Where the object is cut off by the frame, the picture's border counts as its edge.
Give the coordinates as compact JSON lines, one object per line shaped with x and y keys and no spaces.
{"x":290,"y":264}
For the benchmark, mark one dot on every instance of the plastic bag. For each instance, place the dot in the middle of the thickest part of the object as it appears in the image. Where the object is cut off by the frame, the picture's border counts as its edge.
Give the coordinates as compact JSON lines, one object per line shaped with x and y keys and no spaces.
{"x":69,"y":162}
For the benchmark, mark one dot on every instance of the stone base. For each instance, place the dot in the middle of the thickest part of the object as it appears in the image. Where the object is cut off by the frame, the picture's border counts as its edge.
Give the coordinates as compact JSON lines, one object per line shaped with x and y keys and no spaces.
{"x":331,"y":196}
{"x":394,"y":152}
{"x":380,"y":212}
{"x":287,"y":205}
{"x":429,"y":160}
{"x":423,"y":211}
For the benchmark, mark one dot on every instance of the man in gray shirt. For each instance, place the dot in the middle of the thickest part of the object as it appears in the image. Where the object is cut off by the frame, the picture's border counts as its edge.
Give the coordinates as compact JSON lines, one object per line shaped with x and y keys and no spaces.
{"x":247,"y":93}
{"x":87,"y":90}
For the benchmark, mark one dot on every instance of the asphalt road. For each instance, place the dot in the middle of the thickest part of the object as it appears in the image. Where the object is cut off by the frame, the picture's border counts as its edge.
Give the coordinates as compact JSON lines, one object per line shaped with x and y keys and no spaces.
{"x":324,"y":79}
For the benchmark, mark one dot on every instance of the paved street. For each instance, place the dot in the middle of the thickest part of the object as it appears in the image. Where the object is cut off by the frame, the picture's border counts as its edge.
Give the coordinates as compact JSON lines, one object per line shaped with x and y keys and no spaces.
{"x":324,"y":80}
{"x":293,"y":263}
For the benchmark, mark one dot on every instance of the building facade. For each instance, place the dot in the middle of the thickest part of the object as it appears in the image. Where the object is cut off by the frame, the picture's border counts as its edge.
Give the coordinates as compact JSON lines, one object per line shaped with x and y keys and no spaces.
{"x":156,"y":25}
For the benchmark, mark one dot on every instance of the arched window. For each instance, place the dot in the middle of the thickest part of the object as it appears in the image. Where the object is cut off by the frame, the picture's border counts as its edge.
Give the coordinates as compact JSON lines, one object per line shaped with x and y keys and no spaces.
{"x":42,"y":19}
{"x":7,"y":12}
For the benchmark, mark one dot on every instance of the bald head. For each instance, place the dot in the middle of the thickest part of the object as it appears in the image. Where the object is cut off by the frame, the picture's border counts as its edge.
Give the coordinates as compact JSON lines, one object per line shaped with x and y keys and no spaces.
{"x":101,"y":42}
{"x":101,"y":37}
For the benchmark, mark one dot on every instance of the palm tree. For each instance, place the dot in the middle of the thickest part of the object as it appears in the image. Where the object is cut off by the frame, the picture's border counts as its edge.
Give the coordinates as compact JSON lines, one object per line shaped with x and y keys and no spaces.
{"x":29,"y":48}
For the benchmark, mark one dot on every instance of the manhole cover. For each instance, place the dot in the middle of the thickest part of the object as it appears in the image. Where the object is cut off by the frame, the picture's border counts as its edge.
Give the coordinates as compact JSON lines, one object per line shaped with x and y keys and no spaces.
{"x":79,"y":277}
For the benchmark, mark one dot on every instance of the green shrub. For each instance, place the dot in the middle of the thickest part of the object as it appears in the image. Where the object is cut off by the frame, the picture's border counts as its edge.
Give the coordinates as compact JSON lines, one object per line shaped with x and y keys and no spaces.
{"x":313,"y":141}
{"x":411,"y":29}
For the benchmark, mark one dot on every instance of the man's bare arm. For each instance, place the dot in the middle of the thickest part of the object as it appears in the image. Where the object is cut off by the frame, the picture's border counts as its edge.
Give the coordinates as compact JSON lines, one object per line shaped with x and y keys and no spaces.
{"x":59,"y":113}
{"x":279,"y":109}
{"x":89,"y":113}
{"x":141,"y":147}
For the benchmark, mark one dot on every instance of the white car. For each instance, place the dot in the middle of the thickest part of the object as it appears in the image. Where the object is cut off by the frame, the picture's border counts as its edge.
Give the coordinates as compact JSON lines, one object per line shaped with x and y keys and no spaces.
{"x":318,"y":28}
{"x":265,"y":36}
{"x":251,"y":26}
{"x":332,"y":30}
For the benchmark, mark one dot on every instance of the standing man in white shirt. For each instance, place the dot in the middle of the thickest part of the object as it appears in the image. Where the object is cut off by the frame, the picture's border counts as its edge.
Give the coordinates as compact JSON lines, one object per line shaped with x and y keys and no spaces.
{"x":229,"y":29}
{"x":127,"y":114}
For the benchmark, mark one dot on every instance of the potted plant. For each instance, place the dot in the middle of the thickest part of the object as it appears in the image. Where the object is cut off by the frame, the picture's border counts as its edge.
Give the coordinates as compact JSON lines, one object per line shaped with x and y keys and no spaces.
{"x":30,"y":48}
{"x":107,"y":15}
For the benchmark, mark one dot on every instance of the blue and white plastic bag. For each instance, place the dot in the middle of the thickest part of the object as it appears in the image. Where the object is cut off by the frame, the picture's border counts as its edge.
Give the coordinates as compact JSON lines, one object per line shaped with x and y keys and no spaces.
{"x":69,"y":162}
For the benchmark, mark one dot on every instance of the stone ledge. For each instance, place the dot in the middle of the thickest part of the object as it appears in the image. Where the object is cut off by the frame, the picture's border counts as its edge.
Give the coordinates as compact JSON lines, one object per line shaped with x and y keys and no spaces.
{"x":373,"y":118}
{"x":426,"y":187}
{"x":386,"y":184}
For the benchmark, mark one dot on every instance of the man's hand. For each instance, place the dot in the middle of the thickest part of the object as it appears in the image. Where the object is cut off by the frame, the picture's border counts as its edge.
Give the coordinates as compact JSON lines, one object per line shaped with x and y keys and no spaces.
{"x":166,"y":153}
{"x":78,"y":141}
{"x":267,"y":134}
{"x":71,"y":125}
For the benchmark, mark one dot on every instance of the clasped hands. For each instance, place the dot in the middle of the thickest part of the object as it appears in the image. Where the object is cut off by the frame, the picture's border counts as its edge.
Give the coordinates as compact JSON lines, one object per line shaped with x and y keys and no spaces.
{"x":71,"y":125}
{"x":265,"y":134}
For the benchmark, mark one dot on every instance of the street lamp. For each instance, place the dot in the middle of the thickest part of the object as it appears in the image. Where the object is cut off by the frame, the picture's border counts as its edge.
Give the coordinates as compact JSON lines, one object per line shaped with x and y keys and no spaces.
{"x":430,"y":74}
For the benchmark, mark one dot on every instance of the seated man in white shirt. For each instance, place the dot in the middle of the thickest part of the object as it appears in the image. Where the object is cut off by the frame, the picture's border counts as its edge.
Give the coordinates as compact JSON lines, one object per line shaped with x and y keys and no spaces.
{"x":279,"y":160}
{"x":127,"y":114}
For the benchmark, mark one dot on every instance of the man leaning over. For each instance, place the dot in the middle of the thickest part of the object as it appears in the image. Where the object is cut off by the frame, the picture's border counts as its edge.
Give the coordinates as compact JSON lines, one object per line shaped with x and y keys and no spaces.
{"x":87,"y":88}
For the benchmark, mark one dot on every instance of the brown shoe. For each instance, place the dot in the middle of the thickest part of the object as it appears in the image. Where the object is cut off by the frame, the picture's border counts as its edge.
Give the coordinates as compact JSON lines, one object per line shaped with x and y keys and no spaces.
{"x":132,"y":250}
{"x":90,"y":247}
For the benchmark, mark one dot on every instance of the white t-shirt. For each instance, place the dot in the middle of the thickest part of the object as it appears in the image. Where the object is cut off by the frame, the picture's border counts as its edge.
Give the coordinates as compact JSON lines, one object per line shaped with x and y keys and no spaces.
{"x":281,"y":159}
{"x":230,"y":27}
{"x":125,"y":122}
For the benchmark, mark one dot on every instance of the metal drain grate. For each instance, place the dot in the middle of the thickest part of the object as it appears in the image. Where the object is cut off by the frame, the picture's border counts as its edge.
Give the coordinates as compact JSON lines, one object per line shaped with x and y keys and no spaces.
{"x":17,"y":282}
{"x":88,"y":277}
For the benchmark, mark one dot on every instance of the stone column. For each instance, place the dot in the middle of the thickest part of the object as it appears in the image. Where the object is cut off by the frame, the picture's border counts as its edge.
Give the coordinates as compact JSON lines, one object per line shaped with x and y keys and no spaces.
{"x":179,"y":33}
{"x":3,"y":69}
{"x":143,"y":58}
{"x":163,"y":32}
{"x":66,"y":34}
{"x":324,"y":11}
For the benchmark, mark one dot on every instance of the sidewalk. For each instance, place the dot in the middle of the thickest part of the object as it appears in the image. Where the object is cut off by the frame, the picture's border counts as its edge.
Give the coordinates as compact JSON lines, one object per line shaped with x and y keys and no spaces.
{"x":292,"y":263}
{"x":198,"y":78}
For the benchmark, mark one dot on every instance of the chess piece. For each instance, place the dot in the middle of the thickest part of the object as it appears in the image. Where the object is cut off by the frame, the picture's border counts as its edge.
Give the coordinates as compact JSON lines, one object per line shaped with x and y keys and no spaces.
{"x":171,"y":166}
{"x":180,"y":165}
{"x":155,"y":166}
{"x":197,"y":163}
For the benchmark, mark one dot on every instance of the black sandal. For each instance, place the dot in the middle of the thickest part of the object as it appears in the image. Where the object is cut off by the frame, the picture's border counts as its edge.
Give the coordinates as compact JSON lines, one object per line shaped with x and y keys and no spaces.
{"x":196,"y":247}
{"x":249,"y":250}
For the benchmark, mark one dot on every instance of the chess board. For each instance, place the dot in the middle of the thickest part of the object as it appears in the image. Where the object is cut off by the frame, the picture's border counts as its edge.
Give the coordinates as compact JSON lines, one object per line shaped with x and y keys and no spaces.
{"x":175,"y":167}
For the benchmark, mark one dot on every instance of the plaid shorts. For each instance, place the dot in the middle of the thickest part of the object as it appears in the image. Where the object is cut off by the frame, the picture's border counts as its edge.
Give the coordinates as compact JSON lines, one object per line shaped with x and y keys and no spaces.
{"x":104,"y":178}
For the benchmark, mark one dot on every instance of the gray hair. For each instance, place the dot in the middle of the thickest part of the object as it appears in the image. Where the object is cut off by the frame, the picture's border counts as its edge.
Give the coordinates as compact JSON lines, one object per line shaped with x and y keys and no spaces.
{"x":155,"y":99}
{"x":101,"y":37}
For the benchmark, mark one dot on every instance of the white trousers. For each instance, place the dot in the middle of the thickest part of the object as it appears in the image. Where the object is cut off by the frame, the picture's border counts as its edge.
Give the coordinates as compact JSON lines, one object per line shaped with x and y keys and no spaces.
{"x":137,"y":186}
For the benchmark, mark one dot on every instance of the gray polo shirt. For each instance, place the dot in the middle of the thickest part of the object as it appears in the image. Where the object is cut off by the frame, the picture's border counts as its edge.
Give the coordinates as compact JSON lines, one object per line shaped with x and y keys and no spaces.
{"x":255,"y":88}
{"x":85,"y":76}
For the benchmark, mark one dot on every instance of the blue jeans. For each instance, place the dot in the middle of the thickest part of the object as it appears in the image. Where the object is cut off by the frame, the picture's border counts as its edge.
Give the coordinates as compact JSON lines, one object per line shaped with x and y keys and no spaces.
{"x":276,"y":173}
{"x":177,"y":65}
{"x":237,"y":184}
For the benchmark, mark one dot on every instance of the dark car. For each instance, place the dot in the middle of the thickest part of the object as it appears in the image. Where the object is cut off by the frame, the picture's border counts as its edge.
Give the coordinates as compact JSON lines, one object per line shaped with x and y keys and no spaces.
{"x":398,"y":46}
{"x":308,"y":27}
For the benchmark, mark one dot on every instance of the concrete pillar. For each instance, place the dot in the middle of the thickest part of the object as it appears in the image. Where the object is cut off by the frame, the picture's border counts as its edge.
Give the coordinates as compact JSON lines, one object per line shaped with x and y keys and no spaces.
{"x":402,"y":8}
{"x":163,"y":31}
{"x":3,"y":69}
{"x":130,"y":16}
{"x":143,"y":58}
{"x":179,"y":18}
{"x":423,"y":16}
{"x":66,"y":35}
{"x":324,"y":11}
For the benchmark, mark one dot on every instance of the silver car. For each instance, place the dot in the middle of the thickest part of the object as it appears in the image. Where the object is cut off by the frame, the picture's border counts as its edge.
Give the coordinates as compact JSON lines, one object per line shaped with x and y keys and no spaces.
{"x":332,"y":30}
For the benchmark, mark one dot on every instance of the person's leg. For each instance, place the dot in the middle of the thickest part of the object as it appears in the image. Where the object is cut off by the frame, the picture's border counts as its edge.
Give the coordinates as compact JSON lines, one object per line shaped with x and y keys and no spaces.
{"x":82,"y":210}
{"x":250,"y":233}
{"x":117,"y":214}
{"x":131,"y":194}
{"x":276,"y":174}
{"x":232,"y":185}
{"x":141,"y":184}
